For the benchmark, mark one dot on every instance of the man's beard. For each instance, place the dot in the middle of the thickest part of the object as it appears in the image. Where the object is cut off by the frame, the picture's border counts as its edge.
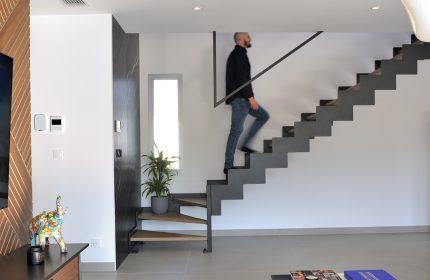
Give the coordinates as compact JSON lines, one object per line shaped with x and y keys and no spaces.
{"x":248,"y":45}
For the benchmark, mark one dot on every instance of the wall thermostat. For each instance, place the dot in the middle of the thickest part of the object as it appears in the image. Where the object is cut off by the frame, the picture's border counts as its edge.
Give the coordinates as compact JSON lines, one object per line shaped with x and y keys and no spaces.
{"x":39,"y":122}
{"x":56,"y":124}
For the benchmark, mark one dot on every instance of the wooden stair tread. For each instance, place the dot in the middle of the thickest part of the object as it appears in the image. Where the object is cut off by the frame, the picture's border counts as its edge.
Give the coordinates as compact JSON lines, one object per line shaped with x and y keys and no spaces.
{"x":170,"y":217}
{"x":192,"y":201}
{"x":159,"y":236}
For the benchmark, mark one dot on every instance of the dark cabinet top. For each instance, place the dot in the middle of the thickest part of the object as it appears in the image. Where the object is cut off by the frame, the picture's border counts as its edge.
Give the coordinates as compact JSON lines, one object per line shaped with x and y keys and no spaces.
{"x":14,"y":266}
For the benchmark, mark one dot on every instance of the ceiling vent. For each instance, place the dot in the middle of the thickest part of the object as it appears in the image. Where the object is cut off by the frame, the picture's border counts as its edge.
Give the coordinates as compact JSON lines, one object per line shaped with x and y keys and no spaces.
{"x":75,"y":2}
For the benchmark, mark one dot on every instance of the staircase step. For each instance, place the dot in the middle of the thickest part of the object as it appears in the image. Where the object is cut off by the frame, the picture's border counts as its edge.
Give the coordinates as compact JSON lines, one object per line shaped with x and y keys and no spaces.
{"x":345,"y":88}
{"x":359,"y":75}
{"x":191,"y":201}
{"x":309,"y":117}
{"x":267,"y":146}
{"x":377,"y":72}
{"x":288,"y":131}
{"x":397,"y":51}
{"x":216,"y":182}
{"x":398,"y":57}
{"x":378,"y":64}
{"x":328,"y":102}
{"x":170,"y":217}
{"x":158,"y":236}
{"x":290,"y":145}
{"x":269,"y":160}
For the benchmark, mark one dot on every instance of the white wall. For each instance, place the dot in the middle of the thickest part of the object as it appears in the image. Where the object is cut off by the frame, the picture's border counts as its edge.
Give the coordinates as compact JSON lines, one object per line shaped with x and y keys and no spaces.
{"x":71,"y":76}
{"x":372,"y":172}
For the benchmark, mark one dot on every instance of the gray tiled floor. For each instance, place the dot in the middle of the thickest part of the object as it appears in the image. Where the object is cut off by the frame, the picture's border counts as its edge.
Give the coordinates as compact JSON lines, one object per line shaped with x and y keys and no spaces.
{"x":407,"y":256}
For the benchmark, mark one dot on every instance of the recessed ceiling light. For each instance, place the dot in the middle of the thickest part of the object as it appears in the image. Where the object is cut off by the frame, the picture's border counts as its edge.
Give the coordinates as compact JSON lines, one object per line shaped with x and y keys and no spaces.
{"x":197,"y":8}
{"x":375,"y":8}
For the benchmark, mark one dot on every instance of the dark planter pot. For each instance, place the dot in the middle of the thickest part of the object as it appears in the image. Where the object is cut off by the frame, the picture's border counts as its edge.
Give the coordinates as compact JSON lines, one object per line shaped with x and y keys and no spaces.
{"x":159,"y":205}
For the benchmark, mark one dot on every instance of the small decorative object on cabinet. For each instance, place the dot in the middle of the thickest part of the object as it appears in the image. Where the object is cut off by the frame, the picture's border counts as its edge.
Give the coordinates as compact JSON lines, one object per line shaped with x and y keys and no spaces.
{"x":160,"y":174}
{"x":57,"y":266}
{"x":48,"y":225}
{"x":35,"y":255}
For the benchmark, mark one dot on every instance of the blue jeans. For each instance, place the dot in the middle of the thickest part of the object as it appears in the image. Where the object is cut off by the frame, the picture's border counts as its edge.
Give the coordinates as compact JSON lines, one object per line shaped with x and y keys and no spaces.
{"x":240,"y":109}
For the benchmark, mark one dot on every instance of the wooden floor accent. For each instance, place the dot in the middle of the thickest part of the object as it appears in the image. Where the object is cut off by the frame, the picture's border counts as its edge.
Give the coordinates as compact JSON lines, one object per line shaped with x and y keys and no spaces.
{"x":15,"y":42}
{"x":171,"y":217}
{"x":156,"y":236}
{"x":197,"y":201}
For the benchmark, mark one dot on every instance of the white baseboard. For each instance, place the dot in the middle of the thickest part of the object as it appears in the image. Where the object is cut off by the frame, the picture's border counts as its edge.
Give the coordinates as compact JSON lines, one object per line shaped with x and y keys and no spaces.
{"x":97,"y":266}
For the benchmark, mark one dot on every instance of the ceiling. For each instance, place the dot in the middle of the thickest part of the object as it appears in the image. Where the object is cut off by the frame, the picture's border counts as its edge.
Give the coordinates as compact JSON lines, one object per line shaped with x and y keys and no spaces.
{"x":148,"y":16}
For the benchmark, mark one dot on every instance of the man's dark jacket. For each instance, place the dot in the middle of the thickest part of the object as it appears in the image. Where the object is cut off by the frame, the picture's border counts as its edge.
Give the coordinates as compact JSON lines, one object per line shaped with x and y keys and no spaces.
{"x":238,"y":72}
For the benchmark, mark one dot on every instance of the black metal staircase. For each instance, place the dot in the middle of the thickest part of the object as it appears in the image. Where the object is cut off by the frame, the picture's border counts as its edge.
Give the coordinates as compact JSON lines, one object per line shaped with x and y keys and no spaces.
{"x":297,"y":138}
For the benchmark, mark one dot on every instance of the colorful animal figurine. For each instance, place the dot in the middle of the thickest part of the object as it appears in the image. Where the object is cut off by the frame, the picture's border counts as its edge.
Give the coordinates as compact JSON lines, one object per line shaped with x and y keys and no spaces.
{"x":48,"y":225}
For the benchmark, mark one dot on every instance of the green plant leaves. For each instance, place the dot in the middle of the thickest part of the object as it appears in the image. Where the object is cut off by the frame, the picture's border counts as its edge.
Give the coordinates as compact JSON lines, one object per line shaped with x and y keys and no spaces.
{"x":160,"y":174}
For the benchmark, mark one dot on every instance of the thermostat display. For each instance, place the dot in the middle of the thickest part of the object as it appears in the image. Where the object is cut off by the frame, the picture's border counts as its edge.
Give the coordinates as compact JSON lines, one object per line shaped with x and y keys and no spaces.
{"x":56,"y":124}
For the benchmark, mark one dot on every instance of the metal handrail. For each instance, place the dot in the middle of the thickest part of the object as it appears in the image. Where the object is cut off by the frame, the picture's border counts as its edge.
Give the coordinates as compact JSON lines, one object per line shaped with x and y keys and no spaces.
{"x":217,"y":103}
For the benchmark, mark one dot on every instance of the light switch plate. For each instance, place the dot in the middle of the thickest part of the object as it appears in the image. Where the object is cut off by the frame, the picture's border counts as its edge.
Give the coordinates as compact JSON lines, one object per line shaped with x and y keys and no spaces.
{"x":96,"y":243}
{"x":117,"y":126}
{"x":58,"y":154}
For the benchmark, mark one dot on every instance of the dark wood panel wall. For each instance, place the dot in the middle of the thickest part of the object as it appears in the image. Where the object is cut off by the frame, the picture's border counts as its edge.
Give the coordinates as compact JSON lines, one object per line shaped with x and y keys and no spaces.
{"x":15,"y":42}
{"x":126,"y":109}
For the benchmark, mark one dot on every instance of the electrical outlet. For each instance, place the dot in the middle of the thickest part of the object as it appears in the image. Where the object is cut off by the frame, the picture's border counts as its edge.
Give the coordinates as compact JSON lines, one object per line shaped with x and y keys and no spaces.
{"x":96,"y":243}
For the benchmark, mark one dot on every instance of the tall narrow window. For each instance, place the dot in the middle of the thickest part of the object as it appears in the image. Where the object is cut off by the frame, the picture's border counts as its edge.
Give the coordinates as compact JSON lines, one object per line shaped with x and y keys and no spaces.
{"x":165,"y":96}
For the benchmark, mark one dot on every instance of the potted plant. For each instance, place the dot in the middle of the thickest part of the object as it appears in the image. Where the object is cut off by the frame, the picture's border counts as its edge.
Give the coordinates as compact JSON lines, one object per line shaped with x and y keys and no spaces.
{"x":160,"y":174}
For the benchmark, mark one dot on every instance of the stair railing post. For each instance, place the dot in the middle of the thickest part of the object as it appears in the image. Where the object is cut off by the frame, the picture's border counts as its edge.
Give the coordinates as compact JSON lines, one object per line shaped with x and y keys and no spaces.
{"x":214,"y":66}
{"x":209,"y":219}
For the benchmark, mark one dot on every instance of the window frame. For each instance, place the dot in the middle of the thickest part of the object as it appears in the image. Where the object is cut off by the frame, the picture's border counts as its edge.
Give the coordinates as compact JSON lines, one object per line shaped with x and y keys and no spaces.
{"x":151,"y":79}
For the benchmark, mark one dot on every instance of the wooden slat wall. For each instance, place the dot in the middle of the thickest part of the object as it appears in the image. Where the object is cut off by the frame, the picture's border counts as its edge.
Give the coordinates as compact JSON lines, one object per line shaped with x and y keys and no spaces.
{"x":15,"y":42}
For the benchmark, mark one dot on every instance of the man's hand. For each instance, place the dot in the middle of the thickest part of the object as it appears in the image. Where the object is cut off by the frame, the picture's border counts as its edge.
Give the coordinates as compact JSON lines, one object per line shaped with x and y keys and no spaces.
{"x":253,"y":104}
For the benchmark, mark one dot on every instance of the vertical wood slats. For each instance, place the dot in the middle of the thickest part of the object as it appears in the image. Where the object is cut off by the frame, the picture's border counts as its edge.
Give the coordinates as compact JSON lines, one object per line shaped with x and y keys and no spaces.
{"x":15,"y":42}
{"x":6,"y":9}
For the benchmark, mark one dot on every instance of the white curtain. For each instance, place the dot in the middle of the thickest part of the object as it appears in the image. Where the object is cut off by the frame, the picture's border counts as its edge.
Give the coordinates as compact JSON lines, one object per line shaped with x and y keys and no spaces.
{"x":419,"y":15}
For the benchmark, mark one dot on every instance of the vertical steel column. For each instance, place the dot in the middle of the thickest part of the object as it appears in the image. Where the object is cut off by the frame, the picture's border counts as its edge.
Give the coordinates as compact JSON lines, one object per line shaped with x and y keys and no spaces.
{"x":209,"y":219}
{"x":214,"y":66}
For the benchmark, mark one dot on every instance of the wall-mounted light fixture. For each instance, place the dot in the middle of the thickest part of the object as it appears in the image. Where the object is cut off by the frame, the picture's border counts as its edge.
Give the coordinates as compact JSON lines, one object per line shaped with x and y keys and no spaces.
{"x":418,"y":12}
